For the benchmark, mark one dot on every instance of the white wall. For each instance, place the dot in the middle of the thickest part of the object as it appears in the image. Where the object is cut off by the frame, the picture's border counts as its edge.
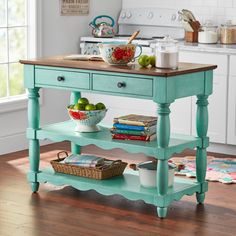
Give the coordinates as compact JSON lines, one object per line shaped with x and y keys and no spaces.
{"x":59,"y":35}
{"x":216,"y":10}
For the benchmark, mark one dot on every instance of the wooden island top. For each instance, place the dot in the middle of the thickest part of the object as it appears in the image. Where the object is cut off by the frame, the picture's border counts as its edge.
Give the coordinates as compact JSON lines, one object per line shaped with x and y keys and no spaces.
{"x":59,"y":61}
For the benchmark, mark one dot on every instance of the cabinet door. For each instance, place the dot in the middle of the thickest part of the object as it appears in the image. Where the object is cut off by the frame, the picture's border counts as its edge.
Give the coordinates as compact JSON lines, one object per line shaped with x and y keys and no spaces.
{"x":180,"y":116}
{"x":218,"y":100}
{"x":231,"y":135}
{"x":217,"y":110}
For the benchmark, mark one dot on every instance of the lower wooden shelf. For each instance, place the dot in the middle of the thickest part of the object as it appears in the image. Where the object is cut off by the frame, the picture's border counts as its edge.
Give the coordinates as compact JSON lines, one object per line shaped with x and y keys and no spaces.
{"x":127,"y":185}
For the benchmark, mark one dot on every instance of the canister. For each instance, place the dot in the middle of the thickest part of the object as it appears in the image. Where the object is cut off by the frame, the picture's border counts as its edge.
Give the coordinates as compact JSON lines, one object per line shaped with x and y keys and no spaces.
{"x":208,"y":33}
{"x":228,"y":33}
{"x":167,"y":53}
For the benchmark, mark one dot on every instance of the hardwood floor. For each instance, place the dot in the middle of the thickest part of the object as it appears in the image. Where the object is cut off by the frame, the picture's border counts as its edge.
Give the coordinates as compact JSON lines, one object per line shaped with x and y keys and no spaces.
{"x":67,"y":211}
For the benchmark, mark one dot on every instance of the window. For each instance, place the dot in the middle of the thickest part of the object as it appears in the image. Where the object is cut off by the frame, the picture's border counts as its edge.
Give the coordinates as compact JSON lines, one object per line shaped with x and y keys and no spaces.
{"x":17,"y":18}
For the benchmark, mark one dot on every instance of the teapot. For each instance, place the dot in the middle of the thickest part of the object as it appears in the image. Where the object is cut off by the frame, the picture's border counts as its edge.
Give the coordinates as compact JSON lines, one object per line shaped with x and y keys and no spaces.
{"x":103,"y":29}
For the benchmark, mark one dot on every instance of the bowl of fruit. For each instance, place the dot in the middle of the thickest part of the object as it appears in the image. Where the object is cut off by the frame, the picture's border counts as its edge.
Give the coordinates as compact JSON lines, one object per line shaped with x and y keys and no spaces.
{"x":86,"y":115}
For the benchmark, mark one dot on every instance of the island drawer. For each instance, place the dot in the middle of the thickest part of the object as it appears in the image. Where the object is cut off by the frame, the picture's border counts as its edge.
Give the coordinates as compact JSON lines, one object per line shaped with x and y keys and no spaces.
{"x":62,"y":78}
{"x":122,"y":85}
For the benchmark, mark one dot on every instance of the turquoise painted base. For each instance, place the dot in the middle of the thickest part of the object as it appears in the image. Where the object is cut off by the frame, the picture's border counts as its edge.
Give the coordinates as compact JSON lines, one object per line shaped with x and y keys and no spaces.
{"x":34,"y":187}
{"x":163,"y":89}
{"x":162,"y":212}
{"x":200,"y":197}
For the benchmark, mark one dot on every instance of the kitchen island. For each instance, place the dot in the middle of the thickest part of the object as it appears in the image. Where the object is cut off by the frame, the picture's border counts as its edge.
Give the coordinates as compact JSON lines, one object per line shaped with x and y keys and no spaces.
{"x":163,"y":86}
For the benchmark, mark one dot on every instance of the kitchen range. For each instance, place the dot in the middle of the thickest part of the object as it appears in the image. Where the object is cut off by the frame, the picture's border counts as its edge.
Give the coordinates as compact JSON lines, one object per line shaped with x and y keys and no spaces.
{"x":153,"y":24}
{"x":156,"y":23}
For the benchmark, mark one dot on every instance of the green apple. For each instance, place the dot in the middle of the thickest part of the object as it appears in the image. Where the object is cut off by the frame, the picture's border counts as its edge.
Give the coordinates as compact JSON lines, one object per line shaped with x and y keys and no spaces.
{"x":84,"y":101}
{"x":144,"y":60}
{"x":100,"y":106}
{"x":79,"y":107}
{"x":152,"y":61}
{"x":90,"y":107}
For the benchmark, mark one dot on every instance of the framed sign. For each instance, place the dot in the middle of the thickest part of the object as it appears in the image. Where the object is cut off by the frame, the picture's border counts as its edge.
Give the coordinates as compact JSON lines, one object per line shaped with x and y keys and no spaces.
{"x":74,"y":7}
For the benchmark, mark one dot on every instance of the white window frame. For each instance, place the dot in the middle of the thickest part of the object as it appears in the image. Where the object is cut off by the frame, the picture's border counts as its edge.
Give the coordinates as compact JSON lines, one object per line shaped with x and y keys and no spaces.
{"x":33,"y":50}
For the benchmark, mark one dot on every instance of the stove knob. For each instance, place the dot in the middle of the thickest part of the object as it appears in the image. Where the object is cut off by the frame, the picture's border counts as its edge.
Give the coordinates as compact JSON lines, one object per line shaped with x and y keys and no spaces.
{"x":123,"y":15}
{"x":173,"y":17}
{"x":129,"y":15}
{"x":180,"y":18}
{"x":150,"y":15}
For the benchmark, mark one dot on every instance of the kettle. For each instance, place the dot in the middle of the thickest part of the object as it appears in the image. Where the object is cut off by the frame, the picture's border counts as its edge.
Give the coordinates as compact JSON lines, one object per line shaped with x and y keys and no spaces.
{"x":103,"y":29}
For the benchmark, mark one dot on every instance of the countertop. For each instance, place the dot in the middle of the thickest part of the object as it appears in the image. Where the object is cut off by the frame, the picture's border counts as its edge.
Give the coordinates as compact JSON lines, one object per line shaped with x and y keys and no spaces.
{"x":213,"y":48}
{"x":59,"y":61}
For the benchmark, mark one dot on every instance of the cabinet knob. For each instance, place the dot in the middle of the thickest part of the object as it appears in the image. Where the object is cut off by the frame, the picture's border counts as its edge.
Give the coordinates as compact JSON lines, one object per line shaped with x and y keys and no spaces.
{"x":60,"y":78}
{"x":121,"y":84}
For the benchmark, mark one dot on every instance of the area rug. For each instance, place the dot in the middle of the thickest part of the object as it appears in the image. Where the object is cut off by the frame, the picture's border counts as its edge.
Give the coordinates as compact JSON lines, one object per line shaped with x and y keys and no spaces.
{"x":218,"y":169}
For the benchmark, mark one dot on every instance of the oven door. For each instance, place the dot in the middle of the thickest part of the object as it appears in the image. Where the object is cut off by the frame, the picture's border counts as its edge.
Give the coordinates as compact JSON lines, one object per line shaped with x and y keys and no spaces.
{"x":91,"y":48}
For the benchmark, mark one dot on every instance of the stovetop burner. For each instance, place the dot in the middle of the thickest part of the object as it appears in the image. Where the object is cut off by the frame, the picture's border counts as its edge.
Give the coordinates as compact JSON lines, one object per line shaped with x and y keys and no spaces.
{"x":138,"y":38}
{"x":143,"y":38}
{"x":158,"y":37}
{"x":122,"y":35}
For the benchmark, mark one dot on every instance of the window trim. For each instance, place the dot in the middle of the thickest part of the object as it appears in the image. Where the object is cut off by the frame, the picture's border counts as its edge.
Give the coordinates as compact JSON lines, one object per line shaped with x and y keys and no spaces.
{"x":34,"y":49}
{"x":14,"y":103}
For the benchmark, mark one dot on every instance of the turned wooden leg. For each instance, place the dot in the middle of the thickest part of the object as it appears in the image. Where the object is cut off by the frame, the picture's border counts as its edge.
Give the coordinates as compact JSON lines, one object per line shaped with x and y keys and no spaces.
{"x":201,"y":154}
{"x":34,"y":148}
{"x":163,"y":138}
{"x":163,"y":125}
{"x":162,"y":212}
{"x":75,"y":96}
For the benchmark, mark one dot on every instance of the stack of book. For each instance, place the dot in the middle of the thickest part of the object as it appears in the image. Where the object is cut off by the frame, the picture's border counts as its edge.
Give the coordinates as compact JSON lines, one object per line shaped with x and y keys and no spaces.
{"x":134,"y":127}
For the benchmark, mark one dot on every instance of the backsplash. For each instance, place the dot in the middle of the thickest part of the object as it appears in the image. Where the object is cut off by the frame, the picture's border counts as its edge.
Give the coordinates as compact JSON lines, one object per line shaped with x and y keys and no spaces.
{"x":218,"y":11}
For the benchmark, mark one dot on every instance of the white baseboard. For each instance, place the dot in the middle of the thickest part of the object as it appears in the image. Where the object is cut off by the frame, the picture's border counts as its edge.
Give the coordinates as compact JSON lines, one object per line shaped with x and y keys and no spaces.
{"x":13,"y":143}
{"x":16,"y":142}
{"x":222,"y":148}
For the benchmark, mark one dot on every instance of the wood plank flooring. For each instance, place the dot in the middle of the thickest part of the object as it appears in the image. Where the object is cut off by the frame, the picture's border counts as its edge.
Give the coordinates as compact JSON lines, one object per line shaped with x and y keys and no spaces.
{"x":67,"y":211}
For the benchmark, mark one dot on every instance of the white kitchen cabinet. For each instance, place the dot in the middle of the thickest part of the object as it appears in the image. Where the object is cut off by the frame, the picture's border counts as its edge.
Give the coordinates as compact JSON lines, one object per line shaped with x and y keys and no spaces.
{"x":217,"y":111}
{"x":231,"y":135}
{"x":181,"y":116}
{"x":217,"y":102}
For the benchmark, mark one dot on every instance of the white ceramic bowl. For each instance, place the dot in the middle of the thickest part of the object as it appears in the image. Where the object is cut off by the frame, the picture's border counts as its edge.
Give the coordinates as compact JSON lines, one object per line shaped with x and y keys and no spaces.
{"x":118,"y":53}
{"x":87,"y":120}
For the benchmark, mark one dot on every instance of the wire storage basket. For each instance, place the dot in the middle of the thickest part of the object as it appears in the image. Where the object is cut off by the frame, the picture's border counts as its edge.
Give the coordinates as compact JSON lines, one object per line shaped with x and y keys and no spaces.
{"x":115,"y":169}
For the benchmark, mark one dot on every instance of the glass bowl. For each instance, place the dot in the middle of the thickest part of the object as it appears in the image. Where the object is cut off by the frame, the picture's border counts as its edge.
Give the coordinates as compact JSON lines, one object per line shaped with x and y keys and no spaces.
{"x":118,"y":53}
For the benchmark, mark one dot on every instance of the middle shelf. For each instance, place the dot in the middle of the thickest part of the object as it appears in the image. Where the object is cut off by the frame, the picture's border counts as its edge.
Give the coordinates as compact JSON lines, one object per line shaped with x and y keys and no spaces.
{"x":65,"y":131}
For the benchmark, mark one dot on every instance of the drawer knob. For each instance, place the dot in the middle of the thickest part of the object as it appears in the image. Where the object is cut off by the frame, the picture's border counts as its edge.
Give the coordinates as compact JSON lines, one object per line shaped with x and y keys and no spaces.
{"x":60,"y":78}
{"x":121,"y":84}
